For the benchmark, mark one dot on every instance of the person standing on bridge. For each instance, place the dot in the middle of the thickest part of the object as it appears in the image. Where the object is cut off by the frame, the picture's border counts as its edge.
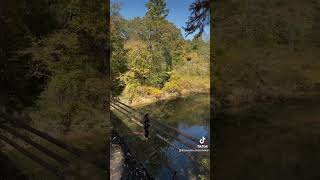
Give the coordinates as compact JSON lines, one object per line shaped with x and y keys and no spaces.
{"x":146,"y":125}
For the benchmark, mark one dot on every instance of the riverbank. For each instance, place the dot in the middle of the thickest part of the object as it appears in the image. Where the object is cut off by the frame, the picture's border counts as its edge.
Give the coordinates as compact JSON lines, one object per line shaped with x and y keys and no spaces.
{"x":166,"y":96}
{"x":184,"y":79}
{"x":122,"y":164}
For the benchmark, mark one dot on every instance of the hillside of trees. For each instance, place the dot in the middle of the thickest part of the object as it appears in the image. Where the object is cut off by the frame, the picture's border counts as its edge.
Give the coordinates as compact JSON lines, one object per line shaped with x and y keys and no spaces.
{"x":265,"y":51}
{"x":151,"y":59}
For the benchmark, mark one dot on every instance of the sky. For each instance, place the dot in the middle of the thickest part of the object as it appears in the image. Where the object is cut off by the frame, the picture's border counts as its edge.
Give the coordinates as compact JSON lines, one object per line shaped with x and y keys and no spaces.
{"x":178,"y":11}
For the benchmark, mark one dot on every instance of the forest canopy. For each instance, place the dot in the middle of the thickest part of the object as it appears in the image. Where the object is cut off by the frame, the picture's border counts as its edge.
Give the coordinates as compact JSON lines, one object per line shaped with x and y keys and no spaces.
{"x":150,"y":57}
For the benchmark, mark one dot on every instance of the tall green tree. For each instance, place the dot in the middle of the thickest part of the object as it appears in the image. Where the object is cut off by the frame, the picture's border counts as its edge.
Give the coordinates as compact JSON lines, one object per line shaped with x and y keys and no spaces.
{"x":118,"y":53}
{"x":159,"y":36}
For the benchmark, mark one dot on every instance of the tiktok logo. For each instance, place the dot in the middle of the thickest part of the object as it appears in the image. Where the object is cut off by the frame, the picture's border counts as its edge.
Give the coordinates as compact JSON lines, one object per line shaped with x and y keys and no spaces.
{"x":202,"y":140}
{"x":203,"y":143}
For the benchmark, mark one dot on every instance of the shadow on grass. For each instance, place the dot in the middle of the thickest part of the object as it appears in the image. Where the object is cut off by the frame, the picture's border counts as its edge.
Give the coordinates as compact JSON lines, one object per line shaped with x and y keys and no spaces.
{"x":147,"y":152}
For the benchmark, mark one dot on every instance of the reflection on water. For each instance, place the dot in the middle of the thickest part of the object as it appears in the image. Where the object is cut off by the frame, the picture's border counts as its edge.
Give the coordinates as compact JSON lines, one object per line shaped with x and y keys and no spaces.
{"x":285,"y":147}
{"x":190,"y":115}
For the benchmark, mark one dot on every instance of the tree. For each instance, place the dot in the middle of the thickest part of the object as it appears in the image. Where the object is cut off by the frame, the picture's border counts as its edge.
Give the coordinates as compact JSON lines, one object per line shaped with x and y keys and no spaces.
{"x":20,"y":22}
{"x":157,"y":10}
{"x":200,"y":17}
{"x":118,"y":53}
{"x":160,"y":35}
{"x":75,"y":56}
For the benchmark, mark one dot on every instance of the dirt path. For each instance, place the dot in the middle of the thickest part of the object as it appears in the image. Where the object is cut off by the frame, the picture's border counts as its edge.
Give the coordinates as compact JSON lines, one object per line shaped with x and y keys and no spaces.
{"x":122,"y":163}
{"x":116,"y":162}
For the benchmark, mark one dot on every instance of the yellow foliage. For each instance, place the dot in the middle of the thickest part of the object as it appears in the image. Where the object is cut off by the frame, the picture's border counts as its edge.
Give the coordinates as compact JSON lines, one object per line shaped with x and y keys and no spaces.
{"x":134,"y":44}
{"x":173,"y":86}
{"x":143,"y":91}
{"x":154,"y":92}
{"x":193,"y":56}
{"x":139,"y":58}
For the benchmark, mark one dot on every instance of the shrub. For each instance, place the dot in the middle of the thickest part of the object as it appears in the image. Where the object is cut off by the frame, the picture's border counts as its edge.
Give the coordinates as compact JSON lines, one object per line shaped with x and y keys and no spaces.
{"x":172,"y":86}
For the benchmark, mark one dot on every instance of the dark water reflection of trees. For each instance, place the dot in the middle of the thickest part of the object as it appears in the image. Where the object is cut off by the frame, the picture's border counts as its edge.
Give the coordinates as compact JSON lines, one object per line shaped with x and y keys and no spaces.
{"x":281,"y":143}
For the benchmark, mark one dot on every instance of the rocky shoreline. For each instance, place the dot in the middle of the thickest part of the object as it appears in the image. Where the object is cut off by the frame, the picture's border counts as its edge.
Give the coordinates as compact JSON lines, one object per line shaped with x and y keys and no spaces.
{"x":168,"y":96}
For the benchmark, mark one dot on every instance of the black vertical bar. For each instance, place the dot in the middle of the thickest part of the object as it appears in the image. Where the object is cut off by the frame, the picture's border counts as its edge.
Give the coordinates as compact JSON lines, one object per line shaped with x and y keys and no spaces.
{"x":108,"y":70}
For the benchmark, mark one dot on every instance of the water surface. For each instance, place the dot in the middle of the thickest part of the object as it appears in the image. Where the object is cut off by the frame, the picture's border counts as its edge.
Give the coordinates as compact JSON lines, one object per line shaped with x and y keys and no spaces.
{"x":285,"y":146}
{"x":190,"y":115}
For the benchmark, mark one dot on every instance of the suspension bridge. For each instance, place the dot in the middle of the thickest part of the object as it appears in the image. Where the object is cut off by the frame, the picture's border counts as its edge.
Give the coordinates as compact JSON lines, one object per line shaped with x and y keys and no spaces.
{"x":13,"y":129}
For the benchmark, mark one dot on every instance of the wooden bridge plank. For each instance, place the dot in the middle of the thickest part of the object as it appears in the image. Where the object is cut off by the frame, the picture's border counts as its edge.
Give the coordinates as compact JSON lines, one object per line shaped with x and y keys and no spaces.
{"x":163,"y":124}
{"x":41,"y":162}
{"x":41,"y":148}
{"x":116,"y":106}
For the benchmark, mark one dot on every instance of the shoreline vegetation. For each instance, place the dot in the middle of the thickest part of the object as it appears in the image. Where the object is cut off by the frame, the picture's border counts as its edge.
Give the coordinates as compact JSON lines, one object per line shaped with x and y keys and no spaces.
{"x":149,"y":99}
